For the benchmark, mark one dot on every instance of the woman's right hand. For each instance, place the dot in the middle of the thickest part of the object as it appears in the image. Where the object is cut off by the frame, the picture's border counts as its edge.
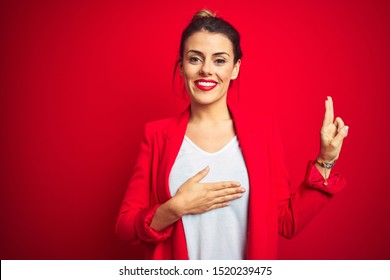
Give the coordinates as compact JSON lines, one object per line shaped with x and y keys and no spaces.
{"x":194,"y":197}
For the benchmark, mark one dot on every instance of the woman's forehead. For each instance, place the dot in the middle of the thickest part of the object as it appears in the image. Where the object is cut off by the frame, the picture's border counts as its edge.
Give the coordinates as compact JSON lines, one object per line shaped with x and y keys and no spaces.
{"x":207,"y":42}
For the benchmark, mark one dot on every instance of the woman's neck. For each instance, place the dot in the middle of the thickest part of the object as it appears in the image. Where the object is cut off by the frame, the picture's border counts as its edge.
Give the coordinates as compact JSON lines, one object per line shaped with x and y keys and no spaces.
{"x":210,"y":113}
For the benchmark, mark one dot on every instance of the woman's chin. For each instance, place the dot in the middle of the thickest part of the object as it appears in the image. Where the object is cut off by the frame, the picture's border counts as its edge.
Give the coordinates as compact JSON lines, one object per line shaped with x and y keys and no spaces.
{"x":206,"y":98}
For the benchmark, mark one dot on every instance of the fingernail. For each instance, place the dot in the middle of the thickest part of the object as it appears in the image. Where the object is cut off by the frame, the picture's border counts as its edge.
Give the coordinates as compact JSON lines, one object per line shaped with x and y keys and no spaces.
{"x":346,"y":131}
{"x":242,"y":189}
{"x":207,"y":168}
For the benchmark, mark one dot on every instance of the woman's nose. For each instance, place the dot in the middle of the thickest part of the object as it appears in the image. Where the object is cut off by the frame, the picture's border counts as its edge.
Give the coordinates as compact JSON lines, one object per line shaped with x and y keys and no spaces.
{"x":206,"y":69}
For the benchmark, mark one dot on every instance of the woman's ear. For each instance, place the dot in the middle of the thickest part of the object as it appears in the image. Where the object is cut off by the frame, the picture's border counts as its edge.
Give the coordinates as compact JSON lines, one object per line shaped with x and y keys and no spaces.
{"x":236,"y":70}
{"x":180,"y":62}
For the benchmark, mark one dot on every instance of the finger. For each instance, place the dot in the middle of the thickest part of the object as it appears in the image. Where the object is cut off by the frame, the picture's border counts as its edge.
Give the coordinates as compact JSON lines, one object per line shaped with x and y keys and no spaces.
{"x":338,"y":139}
{"x":227,"y":192}
{"x":216,"y":186}
{"x":339,"y":123}
{"x":227,"y":198}
{"x":200,"y":175}
{"x":218,"y":205}
{"x":329,"y":114}
{"x":330,"y":99}
{"x":328,"y":132}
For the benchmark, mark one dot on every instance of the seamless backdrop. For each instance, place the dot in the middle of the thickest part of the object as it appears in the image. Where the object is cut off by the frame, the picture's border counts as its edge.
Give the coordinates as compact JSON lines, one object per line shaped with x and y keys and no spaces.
{"x":79,"y":79}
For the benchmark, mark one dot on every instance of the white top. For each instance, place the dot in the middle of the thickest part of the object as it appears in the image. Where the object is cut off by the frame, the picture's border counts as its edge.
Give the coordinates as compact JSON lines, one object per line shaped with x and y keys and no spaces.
{"x":219,"y":233}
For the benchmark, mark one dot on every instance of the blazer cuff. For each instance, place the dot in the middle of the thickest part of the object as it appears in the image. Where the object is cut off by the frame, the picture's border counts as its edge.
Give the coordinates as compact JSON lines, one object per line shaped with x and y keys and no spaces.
{"x":145,"y":232}
{"x":315,"y":180}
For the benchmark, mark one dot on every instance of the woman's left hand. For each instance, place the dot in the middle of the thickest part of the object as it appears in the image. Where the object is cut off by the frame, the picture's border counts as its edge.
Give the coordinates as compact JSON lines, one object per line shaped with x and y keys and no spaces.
{"x":333,"y":133}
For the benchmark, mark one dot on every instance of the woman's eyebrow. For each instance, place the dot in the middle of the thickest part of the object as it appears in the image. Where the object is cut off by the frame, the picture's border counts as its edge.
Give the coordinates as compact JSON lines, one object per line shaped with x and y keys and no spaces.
{"x":220,"y":53}
{"x":195,"y":51}
{"x":214,"y":54}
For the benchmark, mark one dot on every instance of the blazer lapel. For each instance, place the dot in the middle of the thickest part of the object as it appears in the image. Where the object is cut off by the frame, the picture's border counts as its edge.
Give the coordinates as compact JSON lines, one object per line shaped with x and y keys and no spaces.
{"x":252,"y":136}
{"x":172,"y":138}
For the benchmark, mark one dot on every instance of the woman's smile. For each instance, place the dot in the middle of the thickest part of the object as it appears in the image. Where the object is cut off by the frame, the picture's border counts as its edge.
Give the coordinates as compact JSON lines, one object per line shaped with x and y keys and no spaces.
{"x":205,"y":85}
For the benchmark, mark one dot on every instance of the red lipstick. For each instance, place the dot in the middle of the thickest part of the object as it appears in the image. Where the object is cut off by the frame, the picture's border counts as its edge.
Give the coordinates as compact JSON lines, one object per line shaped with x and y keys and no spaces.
{"x":205,"y":85}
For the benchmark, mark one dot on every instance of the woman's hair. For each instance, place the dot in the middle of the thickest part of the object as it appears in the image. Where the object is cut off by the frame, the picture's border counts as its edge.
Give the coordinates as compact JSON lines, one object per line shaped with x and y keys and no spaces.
{"x":207,"y":21}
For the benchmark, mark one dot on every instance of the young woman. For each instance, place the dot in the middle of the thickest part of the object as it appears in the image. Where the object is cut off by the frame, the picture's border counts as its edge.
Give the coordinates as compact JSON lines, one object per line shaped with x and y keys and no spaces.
{"x":211,"y":183}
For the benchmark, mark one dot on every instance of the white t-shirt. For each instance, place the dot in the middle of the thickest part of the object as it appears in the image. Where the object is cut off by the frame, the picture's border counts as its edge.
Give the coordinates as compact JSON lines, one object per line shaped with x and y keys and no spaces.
{"x":219,"y":233}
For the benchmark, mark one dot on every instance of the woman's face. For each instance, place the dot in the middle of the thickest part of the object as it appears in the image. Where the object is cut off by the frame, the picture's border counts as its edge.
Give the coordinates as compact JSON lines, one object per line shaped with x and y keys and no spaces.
{"x":207,"y":67}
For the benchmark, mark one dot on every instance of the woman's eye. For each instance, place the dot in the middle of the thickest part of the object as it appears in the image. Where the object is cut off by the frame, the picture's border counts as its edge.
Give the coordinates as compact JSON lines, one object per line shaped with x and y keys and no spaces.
{"x":220,"y":61}
{"x":194,"y":59}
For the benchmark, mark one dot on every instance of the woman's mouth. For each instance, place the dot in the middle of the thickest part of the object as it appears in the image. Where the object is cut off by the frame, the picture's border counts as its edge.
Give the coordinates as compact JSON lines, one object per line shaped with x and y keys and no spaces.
{"x":205,"y":85}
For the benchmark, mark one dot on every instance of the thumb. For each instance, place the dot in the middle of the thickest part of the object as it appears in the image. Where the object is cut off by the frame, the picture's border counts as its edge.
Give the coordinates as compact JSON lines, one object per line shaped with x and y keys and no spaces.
{"x":338,"y":139}
{"x":200,"y":175}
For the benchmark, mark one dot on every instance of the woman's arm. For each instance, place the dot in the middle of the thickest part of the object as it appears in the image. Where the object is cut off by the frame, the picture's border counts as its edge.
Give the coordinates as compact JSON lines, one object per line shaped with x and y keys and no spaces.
{"x":143,"y":218}
{"x":139,"y":205}
{"x":296,"y":209}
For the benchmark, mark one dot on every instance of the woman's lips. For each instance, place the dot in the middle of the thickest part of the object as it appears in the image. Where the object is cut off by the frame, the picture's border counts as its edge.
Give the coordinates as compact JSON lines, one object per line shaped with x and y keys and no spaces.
{"x":205,"y":85}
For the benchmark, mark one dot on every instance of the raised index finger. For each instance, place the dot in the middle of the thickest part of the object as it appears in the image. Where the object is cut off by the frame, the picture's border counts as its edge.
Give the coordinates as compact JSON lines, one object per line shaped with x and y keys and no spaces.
{"x":329,"y":114}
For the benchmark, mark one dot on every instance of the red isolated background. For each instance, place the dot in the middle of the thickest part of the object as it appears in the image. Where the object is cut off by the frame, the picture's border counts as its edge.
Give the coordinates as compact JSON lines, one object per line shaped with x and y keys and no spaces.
{"x":79,"y":80}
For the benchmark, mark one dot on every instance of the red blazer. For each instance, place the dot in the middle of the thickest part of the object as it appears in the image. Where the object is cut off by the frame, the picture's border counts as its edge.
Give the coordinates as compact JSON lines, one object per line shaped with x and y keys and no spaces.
{"x":273,"y":208}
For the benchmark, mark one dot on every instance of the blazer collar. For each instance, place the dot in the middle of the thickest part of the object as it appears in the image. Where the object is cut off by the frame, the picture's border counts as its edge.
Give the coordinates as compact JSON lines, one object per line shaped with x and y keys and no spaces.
{"x":242,"y":123}
{"x":178,"y":125}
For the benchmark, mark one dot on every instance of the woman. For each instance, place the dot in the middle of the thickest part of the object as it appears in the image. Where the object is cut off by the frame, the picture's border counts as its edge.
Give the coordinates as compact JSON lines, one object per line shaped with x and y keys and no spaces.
{"x":211,"y":183}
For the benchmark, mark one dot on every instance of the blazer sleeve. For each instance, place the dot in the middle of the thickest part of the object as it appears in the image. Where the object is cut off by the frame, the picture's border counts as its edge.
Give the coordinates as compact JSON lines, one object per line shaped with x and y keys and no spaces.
{"x":297,"y":208}
{"x":140,"y":202}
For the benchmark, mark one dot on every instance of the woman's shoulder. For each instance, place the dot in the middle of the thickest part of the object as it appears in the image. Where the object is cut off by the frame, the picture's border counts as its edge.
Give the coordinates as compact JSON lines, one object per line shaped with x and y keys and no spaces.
{"x":167,"y":123}
{"x":159,"y":123}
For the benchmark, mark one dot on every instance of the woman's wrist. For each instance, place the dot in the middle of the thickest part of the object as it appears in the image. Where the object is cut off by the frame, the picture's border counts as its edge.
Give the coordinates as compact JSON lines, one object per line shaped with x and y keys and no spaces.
{"x":324,"y":159}
{"x":324,"y":168}
{"x":325,"y":164}
{"x":175,"y":207}
{"x":165,"y":215}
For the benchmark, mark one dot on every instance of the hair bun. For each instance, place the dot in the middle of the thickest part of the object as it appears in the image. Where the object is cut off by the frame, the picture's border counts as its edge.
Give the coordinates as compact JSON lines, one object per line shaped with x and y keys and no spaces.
{"x":204,"y":14}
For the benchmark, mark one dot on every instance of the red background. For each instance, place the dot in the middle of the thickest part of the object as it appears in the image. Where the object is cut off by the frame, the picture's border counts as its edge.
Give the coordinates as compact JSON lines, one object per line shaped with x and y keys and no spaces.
{"x":79,"y":80}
